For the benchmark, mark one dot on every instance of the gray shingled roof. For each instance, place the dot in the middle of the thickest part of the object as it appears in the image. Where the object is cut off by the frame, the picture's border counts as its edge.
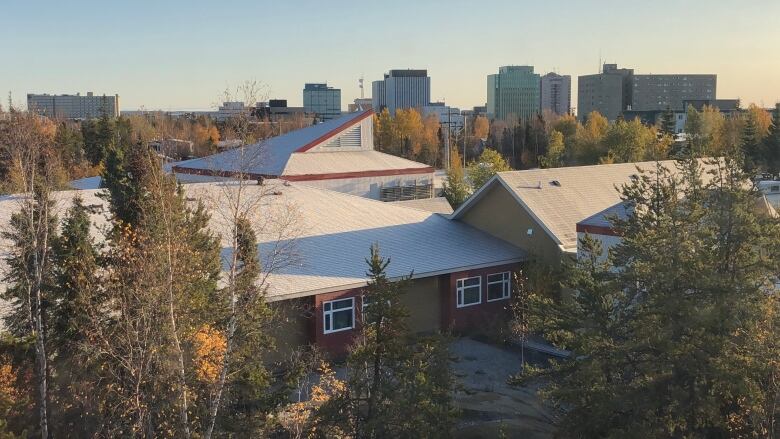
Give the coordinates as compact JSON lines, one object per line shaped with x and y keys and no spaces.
{"x":435,"y":205}
{"x":270,"y":156}
{"x":329,"y":235}
{"x":559,"y":198}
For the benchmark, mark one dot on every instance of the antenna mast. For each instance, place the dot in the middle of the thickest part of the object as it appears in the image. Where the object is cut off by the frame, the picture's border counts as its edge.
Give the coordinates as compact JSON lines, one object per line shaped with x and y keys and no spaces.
{"x":360,"y":84}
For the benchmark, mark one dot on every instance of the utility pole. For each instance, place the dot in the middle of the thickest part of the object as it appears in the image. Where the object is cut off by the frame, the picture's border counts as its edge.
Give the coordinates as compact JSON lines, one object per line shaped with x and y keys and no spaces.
{"x":447,"y":143}
{"x":465,"y":138}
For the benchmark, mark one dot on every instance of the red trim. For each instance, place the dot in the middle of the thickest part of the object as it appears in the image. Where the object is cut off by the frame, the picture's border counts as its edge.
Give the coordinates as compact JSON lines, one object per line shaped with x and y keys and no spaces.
{"x":334,"y":131}
{"x":596,"y":230}
{"x":303,"y":177}
{"x":357,"y":174}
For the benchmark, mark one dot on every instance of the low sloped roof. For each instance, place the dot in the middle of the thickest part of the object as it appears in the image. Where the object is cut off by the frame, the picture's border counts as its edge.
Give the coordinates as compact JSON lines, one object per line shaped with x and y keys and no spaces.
{"x":435,"y":205}
{"x":342,"y":162}
{"x":326,"y":235}
{"x":559,"y":198}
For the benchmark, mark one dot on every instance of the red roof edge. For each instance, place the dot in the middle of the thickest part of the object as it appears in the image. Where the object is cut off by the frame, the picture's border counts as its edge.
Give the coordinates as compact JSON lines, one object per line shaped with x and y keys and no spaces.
{"x":335,"y":131}
{"x":596,"y":230}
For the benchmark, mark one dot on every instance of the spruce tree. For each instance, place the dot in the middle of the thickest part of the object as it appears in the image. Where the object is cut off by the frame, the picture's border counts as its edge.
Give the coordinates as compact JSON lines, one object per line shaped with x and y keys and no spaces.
{"x":750,"y":145}
{"x":675,"y":342}
{"x":397,"y":386}
{"x":76,"y":290}
{"x":667,"y":122}
{"x":772,"y":145}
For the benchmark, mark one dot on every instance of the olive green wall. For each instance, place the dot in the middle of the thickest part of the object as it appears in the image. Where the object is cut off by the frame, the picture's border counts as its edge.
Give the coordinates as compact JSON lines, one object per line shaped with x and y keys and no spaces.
{"x":422,"y":300}
{"x":501,"y":215}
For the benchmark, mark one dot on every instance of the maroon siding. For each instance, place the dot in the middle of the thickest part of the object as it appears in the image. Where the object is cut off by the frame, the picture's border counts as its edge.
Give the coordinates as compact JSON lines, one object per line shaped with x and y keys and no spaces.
{"x":336,"y":343}
{"x":470,"y":318}
{"x":474,"y":317}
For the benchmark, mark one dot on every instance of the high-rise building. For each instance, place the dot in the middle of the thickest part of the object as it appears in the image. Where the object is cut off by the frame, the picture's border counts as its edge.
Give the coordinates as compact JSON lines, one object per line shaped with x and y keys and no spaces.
{"x":378,"y":95}
{"x":322,"y":100}
{"x":74,"y":106}
{"x":608,"y":92}
{"x":555,"y":92}
{"x":402,"y":89}
{"x":615,"y":91}
{"x":657,"y":92}
{"x":513,"y":91}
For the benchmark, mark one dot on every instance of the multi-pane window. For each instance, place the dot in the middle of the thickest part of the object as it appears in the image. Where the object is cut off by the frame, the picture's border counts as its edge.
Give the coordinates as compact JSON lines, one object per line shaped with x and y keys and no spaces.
{"x":469,"y":291}
{"x":338,"y":315}
{"x":498,"y":286}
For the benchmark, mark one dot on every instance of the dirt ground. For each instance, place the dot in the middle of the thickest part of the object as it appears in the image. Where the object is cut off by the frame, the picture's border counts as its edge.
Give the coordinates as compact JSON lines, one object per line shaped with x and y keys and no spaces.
{"x":491,"y":407}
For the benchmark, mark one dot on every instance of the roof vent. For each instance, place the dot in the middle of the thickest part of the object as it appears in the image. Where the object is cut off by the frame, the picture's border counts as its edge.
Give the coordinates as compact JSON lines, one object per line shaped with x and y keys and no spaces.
{"x":555,"y":183}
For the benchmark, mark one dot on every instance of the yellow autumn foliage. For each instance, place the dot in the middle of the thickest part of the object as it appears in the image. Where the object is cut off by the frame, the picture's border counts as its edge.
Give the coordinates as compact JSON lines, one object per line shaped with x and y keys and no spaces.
{"x":210,"y":345}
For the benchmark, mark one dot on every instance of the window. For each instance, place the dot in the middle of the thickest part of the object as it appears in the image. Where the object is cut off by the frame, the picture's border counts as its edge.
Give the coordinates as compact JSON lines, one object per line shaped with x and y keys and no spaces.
{"x":469,"y":291}
{"x":338,"y":315}
{"x":498,"y":286}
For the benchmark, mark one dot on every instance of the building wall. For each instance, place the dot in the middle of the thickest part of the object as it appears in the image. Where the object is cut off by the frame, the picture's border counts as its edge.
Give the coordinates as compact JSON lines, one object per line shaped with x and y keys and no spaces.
{"x":499,"y":214}
{"x":602,"y":93}
{"x":431,"y":303}
{"x":481,"y":317}
{"x":378,"y":97}
{"x":656,"y":92}
{"x":74,"y":106}
{"x":407,"y":91}
{"x":607,"y":241}
{"x":369,"y":187}
{"x":513,"y":91}
{"x":556,"y":93}
{"x":292,"y":328}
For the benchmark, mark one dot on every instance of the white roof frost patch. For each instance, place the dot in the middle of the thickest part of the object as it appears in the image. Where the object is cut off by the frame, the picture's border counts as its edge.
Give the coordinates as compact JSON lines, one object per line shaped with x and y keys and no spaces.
{"x":317,"y":240}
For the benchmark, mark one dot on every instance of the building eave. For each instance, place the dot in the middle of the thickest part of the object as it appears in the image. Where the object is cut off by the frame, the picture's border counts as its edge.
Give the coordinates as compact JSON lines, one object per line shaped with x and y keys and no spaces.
{"x":349,"y":286}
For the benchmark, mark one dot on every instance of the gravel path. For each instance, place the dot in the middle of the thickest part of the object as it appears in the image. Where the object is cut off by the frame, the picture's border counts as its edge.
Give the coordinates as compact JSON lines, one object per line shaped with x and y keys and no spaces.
{"x":489,"y":405}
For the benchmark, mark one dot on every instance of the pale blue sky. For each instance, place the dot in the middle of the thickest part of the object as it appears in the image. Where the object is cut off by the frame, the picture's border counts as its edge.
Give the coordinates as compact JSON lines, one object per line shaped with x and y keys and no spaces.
{"x":182,"y":54}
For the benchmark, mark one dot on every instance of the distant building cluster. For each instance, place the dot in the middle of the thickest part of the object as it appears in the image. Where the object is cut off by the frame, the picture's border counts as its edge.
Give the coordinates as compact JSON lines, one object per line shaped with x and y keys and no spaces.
{"x":619,"y":92}
{"x":76,"y":106}
{"x":514,"y":92}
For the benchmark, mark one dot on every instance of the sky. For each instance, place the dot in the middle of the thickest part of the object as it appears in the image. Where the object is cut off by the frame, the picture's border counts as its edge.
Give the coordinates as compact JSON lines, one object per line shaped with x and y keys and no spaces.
{"x":175,"y":55}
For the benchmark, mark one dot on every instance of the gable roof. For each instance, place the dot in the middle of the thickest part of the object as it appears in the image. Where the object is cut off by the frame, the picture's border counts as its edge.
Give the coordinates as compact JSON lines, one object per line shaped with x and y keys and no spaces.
{"x":558,"y":198}
{"x":299,"y":153}
{"x":328,"y":237}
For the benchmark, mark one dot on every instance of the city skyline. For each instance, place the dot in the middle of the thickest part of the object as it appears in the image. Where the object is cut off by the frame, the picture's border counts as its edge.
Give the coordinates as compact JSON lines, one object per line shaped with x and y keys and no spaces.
{"x":183,"y":55}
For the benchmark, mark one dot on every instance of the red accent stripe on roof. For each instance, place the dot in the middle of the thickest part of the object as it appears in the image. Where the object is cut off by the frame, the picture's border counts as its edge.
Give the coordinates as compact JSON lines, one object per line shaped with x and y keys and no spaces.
{"x":357,"y":174}
{"x":596,"y":230}
{"x":334,"y":131}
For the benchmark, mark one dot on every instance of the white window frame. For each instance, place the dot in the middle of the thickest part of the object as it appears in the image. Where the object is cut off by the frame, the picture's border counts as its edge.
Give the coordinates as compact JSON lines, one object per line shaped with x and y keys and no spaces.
{"x":329,"y":313}
{"x":460,"y":288}
{"x":506,"y":281}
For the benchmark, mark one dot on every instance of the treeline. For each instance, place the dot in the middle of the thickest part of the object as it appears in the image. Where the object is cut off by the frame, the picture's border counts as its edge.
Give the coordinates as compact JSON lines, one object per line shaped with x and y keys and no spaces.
{"x":550,"y":140}
{"x":683,"y":339}
{"x":145,"y":326}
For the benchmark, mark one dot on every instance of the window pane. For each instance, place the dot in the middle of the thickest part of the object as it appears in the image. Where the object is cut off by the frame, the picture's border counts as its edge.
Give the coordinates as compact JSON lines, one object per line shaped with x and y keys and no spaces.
{"x":472,"y":282}
{"x":495,"y":291}
{"x":342,"y":319}
{"x":495,"y":277}
{"x":327,"y":322}
{"x":470,"y":295}
{"x":326,"y":306}
{"x":341,"y":304}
